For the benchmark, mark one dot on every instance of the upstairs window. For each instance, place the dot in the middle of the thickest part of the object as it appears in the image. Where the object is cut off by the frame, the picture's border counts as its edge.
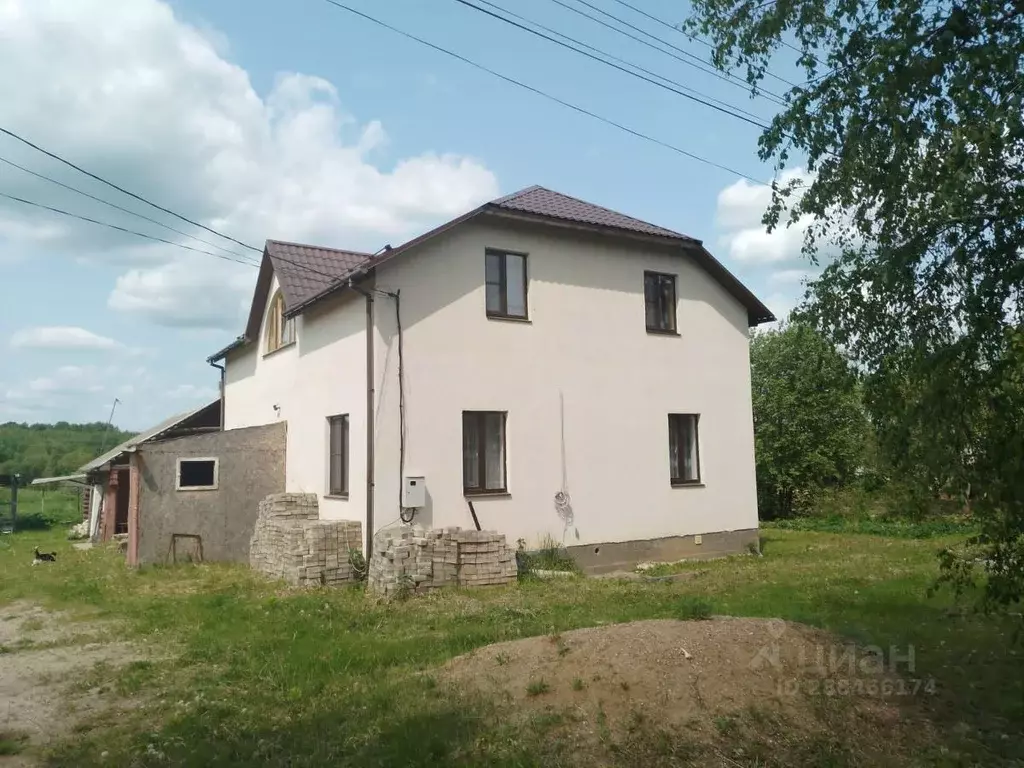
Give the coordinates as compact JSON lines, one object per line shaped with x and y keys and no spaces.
{"x":660,"y":302}
{"x":683,"y":448}
{"x":506,"y":284}
{"x":483,"y":452}
{"x":280,"y":329}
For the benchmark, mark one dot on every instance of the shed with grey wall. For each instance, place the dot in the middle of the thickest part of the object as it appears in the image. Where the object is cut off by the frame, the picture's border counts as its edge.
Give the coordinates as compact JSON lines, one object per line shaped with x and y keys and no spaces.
{"x":250,"y":466}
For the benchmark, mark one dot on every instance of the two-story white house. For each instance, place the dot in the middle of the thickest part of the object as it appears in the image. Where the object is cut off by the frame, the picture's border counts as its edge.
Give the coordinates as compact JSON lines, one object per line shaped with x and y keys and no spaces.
{"x":539,"y":366}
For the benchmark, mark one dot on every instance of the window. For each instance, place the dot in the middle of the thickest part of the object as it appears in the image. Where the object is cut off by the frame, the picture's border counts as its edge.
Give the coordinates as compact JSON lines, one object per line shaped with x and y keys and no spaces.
{"x":683,"y":455}
{"x":197,"y":474}
{"x":660,"y":302}
{"x":338,"y":456}
{"x":280,"y":329}
{"x":506,"y":284}
{"x":483,"y":451}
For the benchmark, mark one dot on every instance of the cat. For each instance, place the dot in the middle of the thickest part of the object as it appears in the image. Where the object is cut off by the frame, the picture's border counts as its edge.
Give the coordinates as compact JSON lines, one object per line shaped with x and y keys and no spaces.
{"x":44,"y":557}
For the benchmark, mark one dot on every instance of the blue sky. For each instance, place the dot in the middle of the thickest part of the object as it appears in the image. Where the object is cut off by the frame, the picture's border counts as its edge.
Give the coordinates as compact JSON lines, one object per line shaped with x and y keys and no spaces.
{"x":295,"y":120}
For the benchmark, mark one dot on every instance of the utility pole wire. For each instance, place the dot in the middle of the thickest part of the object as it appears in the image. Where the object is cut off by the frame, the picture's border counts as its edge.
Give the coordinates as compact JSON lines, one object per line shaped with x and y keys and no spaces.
{"x":139,"y":197}
{"x":673,"y":27}
{"x":119,"y":208}
{"x":676,"y":83}
{"x":613,"y":65}
{"x":123,"y":229}
{"x":124,"y":191}
{"x":704,"y":67}
{"x":548,"y":96}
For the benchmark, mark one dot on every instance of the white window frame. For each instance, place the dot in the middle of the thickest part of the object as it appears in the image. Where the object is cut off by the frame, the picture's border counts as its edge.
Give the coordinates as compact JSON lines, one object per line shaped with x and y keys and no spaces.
{"x":216,"y":474}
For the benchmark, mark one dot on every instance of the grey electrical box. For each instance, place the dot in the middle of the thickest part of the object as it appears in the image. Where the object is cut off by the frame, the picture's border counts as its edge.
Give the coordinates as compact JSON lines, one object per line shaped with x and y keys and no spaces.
{"x":414,"y":491}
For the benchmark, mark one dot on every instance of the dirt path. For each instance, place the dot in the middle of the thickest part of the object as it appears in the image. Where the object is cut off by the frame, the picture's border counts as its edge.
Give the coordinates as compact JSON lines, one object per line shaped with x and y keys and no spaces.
{"x":45,"y":660}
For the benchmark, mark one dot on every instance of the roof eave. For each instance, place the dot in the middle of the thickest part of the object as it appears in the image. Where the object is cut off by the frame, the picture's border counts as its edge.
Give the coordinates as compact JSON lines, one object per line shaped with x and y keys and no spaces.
{"x":216,"y":357}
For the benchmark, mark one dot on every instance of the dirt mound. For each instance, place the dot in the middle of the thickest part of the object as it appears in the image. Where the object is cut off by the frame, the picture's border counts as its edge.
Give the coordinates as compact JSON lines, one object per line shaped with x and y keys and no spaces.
{"x":765,"y":692}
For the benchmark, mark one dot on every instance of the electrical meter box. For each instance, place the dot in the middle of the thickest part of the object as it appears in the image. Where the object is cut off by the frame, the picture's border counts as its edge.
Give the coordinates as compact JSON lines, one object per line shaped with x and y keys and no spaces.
{"x":414,"y":491}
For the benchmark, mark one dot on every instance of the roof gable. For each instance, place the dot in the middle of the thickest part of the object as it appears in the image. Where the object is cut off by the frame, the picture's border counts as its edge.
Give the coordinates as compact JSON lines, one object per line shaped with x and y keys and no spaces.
{"x":303,"y":272}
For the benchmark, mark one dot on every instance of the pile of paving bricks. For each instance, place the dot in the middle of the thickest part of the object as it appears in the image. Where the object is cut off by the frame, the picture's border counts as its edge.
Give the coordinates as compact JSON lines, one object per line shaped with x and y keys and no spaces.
{"x":411,"y":559}
{"x":291,"y":542}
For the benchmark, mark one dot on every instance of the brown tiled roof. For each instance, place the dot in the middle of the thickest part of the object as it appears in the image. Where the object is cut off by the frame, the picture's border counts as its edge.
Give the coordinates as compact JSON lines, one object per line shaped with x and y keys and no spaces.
{"x":308,"y":273}
{"x":305,"y":271}
{"x":540,"y":201}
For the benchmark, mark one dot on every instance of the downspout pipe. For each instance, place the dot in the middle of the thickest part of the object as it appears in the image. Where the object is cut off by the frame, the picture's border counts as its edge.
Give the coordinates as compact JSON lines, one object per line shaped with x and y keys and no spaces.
{"x":223,"y":373}
{"x":369,"y":413}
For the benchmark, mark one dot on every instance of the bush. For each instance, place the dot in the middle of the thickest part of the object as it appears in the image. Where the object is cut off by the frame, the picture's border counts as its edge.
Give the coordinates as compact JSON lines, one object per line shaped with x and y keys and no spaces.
{"x":551,"y":556}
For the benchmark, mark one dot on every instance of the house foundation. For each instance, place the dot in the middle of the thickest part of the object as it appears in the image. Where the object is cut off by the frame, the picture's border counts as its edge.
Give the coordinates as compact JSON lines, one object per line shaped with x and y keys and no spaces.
{"x":612,"y":556}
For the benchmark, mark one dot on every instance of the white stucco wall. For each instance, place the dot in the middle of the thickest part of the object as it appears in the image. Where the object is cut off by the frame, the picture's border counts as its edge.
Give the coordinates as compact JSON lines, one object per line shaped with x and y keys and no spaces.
{"x":586,"y":341}
{"x":323,"y":374}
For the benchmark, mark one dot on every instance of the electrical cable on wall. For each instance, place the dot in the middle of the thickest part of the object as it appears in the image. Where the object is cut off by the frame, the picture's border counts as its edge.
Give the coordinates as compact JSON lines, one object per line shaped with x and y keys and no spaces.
{"x":563,"y":501}
{"x":406,"y":515}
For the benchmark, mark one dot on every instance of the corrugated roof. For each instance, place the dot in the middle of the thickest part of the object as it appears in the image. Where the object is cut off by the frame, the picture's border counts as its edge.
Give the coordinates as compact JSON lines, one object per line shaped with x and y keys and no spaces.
{"x":305,"y":271}
{"x":142,"y":437}
{"x":540,"y":201}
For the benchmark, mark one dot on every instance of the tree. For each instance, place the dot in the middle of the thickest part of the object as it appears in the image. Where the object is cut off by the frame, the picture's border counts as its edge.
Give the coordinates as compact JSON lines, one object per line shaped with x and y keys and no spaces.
{"x":911,"y":122}
{"x":809,"y":428}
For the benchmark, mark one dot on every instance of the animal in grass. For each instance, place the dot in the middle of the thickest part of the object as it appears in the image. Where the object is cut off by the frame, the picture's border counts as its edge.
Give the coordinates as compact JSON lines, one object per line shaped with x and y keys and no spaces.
{"x":44,"y":557}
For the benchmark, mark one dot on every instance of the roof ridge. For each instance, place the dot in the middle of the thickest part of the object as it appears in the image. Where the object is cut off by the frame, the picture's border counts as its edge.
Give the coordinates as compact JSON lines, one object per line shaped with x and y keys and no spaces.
{"x":608,"y":210}
{"x":317,"y":247}
{"x":514,"y":195}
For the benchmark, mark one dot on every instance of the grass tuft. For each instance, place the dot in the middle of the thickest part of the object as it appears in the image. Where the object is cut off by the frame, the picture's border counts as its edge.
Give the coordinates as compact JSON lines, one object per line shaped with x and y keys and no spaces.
{"x":537,"y":687}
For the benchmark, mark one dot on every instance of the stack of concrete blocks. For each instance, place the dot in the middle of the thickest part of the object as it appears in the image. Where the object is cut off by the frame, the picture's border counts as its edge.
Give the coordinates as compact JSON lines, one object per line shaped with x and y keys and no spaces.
{"x":292,"y":543}
{"x":411,"y":559}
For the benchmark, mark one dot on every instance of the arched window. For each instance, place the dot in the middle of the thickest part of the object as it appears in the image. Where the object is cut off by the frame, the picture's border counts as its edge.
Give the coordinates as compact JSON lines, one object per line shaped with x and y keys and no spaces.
{"x":280,"y":330}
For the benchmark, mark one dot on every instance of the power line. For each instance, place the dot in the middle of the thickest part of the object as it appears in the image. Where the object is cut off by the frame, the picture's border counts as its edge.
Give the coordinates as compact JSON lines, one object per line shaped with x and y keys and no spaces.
{"x":676,"y":83}
{"x":670,"y":88}
{"x":539,"y":92}
{"x":727,"y":77}
{"x":673,"y":27}
{"x":125,"y":191}
{"x":36,"y":147}
{"x":123,"y":229}
{"x":117,"y":207}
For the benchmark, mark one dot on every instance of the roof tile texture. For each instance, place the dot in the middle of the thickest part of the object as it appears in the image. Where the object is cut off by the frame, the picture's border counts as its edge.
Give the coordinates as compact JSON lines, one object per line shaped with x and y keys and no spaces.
{"x":305,"y":271}
{"x":544,"y":202}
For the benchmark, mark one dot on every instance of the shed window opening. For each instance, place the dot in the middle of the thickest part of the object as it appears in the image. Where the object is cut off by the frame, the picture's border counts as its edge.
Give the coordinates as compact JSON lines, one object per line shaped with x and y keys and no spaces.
{"x":197,"y":473}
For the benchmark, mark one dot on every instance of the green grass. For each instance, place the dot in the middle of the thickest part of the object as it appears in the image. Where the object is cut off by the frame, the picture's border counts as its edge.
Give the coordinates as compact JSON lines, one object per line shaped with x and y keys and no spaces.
{"x":11,"y":743}
{"x":537,"y":687}
{"x":40,"y":509}
{"x":890,"y":527}
{"x":255,"y":674}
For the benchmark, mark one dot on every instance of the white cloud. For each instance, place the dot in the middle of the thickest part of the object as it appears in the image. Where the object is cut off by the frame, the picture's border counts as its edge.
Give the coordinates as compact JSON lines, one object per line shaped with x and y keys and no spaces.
{"x":791,"y":276}
{"x":61,"y":338}
{"x":157,"y":107}
{"x":741,"y":207}
{"x":186,"y":293}
{"x":193,"y":393}
{"x":64,"y":381}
